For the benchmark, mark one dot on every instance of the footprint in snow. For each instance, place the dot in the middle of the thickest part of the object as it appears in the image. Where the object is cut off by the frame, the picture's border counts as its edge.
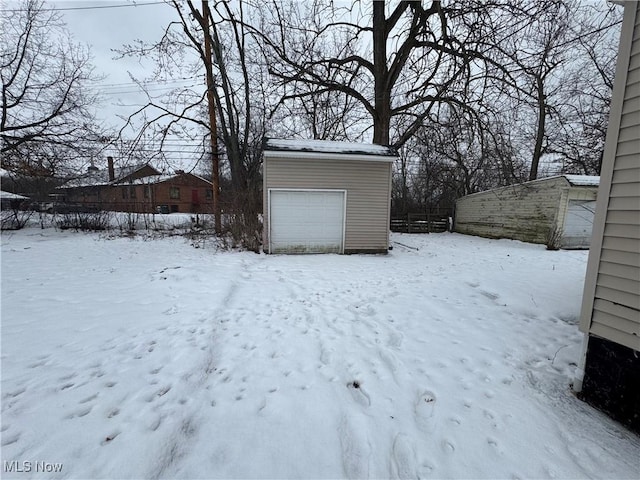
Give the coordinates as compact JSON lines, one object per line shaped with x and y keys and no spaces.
{"x":489,"y":295}
{"x":358,"y":393}
{"x":424,"y":409}
{"x":404,"y":458}
{"x":88,"y":399}
{"x":9,"y":439}
{"x":109,"y":438}
{"x":395,"y":340}
{"x":356,"y":450}
{"x":171,"y":311}
{"x":80,"y":413}
{"x":448,"y":446}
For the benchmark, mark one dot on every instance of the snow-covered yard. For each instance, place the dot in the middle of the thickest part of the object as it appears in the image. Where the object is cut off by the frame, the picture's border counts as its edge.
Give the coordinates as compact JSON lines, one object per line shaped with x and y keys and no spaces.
{"x":451,"y":357}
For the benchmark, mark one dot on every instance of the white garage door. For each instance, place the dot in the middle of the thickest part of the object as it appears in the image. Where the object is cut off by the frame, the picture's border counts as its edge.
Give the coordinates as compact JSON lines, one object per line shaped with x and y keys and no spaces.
{"x":306,"y":221}
{"x":578,"y":224}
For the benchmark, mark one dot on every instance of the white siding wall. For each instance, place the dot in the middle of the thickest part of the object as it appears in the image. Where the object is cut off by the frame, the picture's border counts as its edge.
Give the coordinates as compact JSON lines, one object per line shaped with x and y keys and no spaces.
{"x":368,"y":185}
{"x":524,"y":212}
{"x":611,"y":303}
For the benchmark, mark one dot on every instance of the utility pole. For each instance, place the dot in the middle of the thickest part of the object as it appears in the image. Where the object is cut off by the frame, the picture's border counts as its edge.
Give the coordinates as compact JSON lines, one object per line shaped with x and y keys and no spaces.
{"x":215,"y":161}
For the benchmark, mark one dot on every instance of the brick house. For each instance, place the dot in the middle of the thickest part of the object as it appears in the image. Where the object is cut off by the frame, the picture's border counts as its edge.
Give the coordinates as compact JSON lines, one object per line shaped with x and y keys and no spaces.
{"x":140,"y":188}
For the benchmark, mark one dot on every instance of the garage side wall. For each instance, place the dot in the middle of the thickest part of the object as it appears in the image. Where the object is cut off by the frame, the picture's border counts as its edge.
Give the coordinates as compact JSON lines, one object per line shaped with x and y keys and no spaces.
{"x":368,"y":192}
{"x":526,"y":212}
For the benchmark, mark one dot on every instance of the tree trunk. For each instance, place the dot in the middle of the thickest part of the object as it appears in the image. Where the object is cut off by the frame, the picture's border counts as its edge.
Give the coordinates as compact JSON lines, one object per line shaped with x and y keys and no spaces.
{"x":542,"y":116}
{"x":382,"y":101}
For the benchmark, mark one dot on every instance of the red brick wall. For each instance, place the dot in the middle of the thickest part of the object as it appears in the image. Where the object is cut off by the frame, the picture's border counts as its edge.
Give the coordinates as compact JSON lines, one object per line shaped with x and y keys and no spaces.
{"x":192,"y":193}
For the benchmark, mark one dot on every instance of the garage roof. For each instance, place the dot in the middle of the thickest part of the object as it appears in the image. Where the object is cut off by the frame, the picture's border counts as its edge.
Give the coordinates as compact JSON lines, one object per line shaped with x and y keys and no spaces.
{"x":583,"y":180}
{"x":328,"y":146}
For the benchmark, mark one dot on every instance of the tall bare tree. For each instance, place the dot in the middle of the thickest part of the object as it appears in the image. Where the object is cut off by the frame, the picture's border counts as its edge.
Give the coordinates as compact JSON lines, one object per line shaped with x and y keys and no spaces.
{"x":562,"y":72}
{"x":47,"y":117}
{"x":182,"y":49}
{"x":400,"y":62}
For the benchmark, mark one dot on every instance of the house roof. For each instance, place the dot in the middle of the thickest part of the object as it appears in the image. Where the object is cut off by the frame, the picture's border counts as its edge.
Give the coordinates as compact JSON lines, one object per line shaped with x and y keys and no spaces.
{"x":328,"y":146}
{"x":101,"y":177}
{"x":153,"y":179}
{"x":12,"y":196}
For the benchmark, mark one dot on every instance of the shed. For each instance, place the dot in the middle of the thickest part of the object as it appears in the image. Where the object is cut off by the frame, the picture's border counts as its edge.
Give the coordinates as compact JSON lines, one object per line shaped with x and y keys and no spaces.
{"x":562,"y":207}
{"x":609,"y":373}
{"x":326,"y":197}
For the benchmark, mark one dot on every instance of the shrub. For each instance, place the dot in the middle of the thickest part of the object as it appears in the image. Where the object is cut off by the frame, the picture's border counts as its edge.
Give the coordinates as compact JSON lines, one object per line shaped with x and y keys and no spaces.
{"x":85,"y":221}
{"x":242,"y":223}
{"x":554,"y":238}
{"x":14,"y":219}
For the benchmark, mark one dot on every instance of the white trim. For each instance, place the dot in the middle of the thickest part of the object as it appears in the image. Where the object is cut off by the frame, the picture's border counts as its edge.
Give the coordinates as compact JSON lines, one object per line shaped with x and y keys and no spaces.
{"x":608,"y":165}
{"x":298,"y":155}
{"x":266,"y":237}
{"x":582,"y":362}
{"x":338,"y":190}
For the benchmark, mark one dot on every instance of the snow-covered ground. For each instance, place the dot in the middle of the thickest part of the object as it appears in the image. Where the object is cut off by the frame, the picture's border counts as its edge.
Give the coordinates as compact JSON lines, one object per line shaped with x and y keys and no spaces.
{"x":451,"y":357}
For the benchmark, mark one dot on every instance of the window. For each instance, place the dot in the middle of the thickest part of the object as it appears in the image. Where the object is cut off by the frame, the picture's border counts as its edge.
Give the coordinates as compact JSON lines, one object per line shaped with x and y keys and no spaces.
{"x":147,"y":191}
{"x":209,"y":194}
{"x":132,"y":192}
{"x":124,"y":192}
{"x":174,"y":192}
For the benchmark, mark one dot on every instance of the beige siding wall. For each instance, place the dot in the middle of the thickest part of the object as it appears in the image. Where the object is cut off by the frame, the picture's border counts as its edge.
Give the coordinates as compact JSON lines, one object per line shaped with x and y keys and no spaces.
{"x":368,"y":185}
{"x":611,"y":304}
{"x":524,"y":212}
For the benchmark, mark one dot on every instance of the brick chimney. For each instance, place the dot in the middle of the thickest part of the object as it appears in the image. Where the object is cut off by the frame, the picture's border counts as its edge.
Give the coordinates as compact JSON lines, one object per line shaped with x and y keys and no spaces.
{"x":112,"y":173}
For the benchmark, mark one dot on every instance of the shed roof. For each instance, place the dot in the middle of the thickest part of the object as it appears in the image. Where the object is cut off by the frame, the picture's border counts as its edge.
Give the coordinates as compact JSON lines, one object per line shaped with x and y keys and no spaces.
{"x":329,"y":146}
{"x":572,"y":180}
{"x":583,"y":180}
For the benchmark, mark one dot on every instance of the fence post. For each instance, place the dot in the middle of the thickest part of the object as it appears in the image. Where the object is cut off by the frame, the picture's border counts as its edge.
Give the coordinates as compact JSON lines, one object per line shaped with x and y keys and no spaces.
{"x":408,"y":223}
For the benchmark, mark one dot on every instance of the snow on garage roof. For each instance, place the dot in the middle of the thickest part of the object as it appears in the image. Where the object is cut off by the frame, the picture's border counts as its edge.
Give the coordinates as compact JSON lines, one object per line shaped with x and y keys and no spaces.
{"x":583,"y":180}
{"x":328,"y":146}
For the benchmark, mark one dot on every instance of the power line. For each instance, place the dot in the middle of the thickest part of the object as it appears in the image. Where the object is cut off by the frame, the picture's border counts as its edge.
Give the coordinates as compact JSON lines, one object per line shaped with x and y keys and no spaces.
{"x":142,"y":91}
{"x":95,"y":7}
{"x":148,"y":82}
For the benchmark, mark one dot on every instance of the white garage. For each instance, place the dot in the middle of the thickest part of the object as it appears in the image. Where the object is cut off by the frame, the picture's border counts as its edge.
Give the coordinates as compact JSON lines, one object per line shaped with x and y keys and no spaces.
{"x":578,"y":224}
{"x":326,"y":197}
{"x":554,"y":211}
{"x":307,"y":221}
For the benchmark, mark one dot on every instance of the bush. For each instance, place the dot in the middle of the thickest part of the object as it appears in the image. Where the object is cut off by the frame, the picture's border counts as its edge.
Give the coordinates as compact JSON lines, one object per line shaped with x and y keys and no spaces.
{"x":554,"y":238}
{"x":242,"y":230}
{"x":242,"y":226}
{"x":14,"y":219}
{"x":85,"y":221}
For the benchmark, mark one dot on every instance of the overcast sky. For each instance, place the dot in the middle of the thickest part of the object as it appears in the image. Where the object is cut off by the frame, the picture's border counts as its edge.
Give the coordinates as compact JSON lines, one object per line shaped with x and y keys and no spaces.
{"x":105,"y":25}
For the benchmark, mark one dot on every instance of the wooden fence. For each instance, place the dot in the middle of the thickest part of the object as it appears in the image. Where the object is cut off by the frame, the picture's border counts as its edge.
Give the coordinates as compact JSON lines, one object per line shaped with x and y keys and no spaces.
{"x":421,"y":223}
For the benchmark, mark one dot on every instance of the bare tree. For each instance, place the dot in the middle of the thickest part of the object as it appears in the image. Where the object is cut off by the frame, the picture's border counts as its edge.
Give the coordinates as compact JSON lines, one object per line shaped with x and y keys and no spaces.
{"x":562,"y":72}
{"x":47,"y":119}
{"x":182,"y":49}
{"x":589,"y":85}
{"x":398,"y":62}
